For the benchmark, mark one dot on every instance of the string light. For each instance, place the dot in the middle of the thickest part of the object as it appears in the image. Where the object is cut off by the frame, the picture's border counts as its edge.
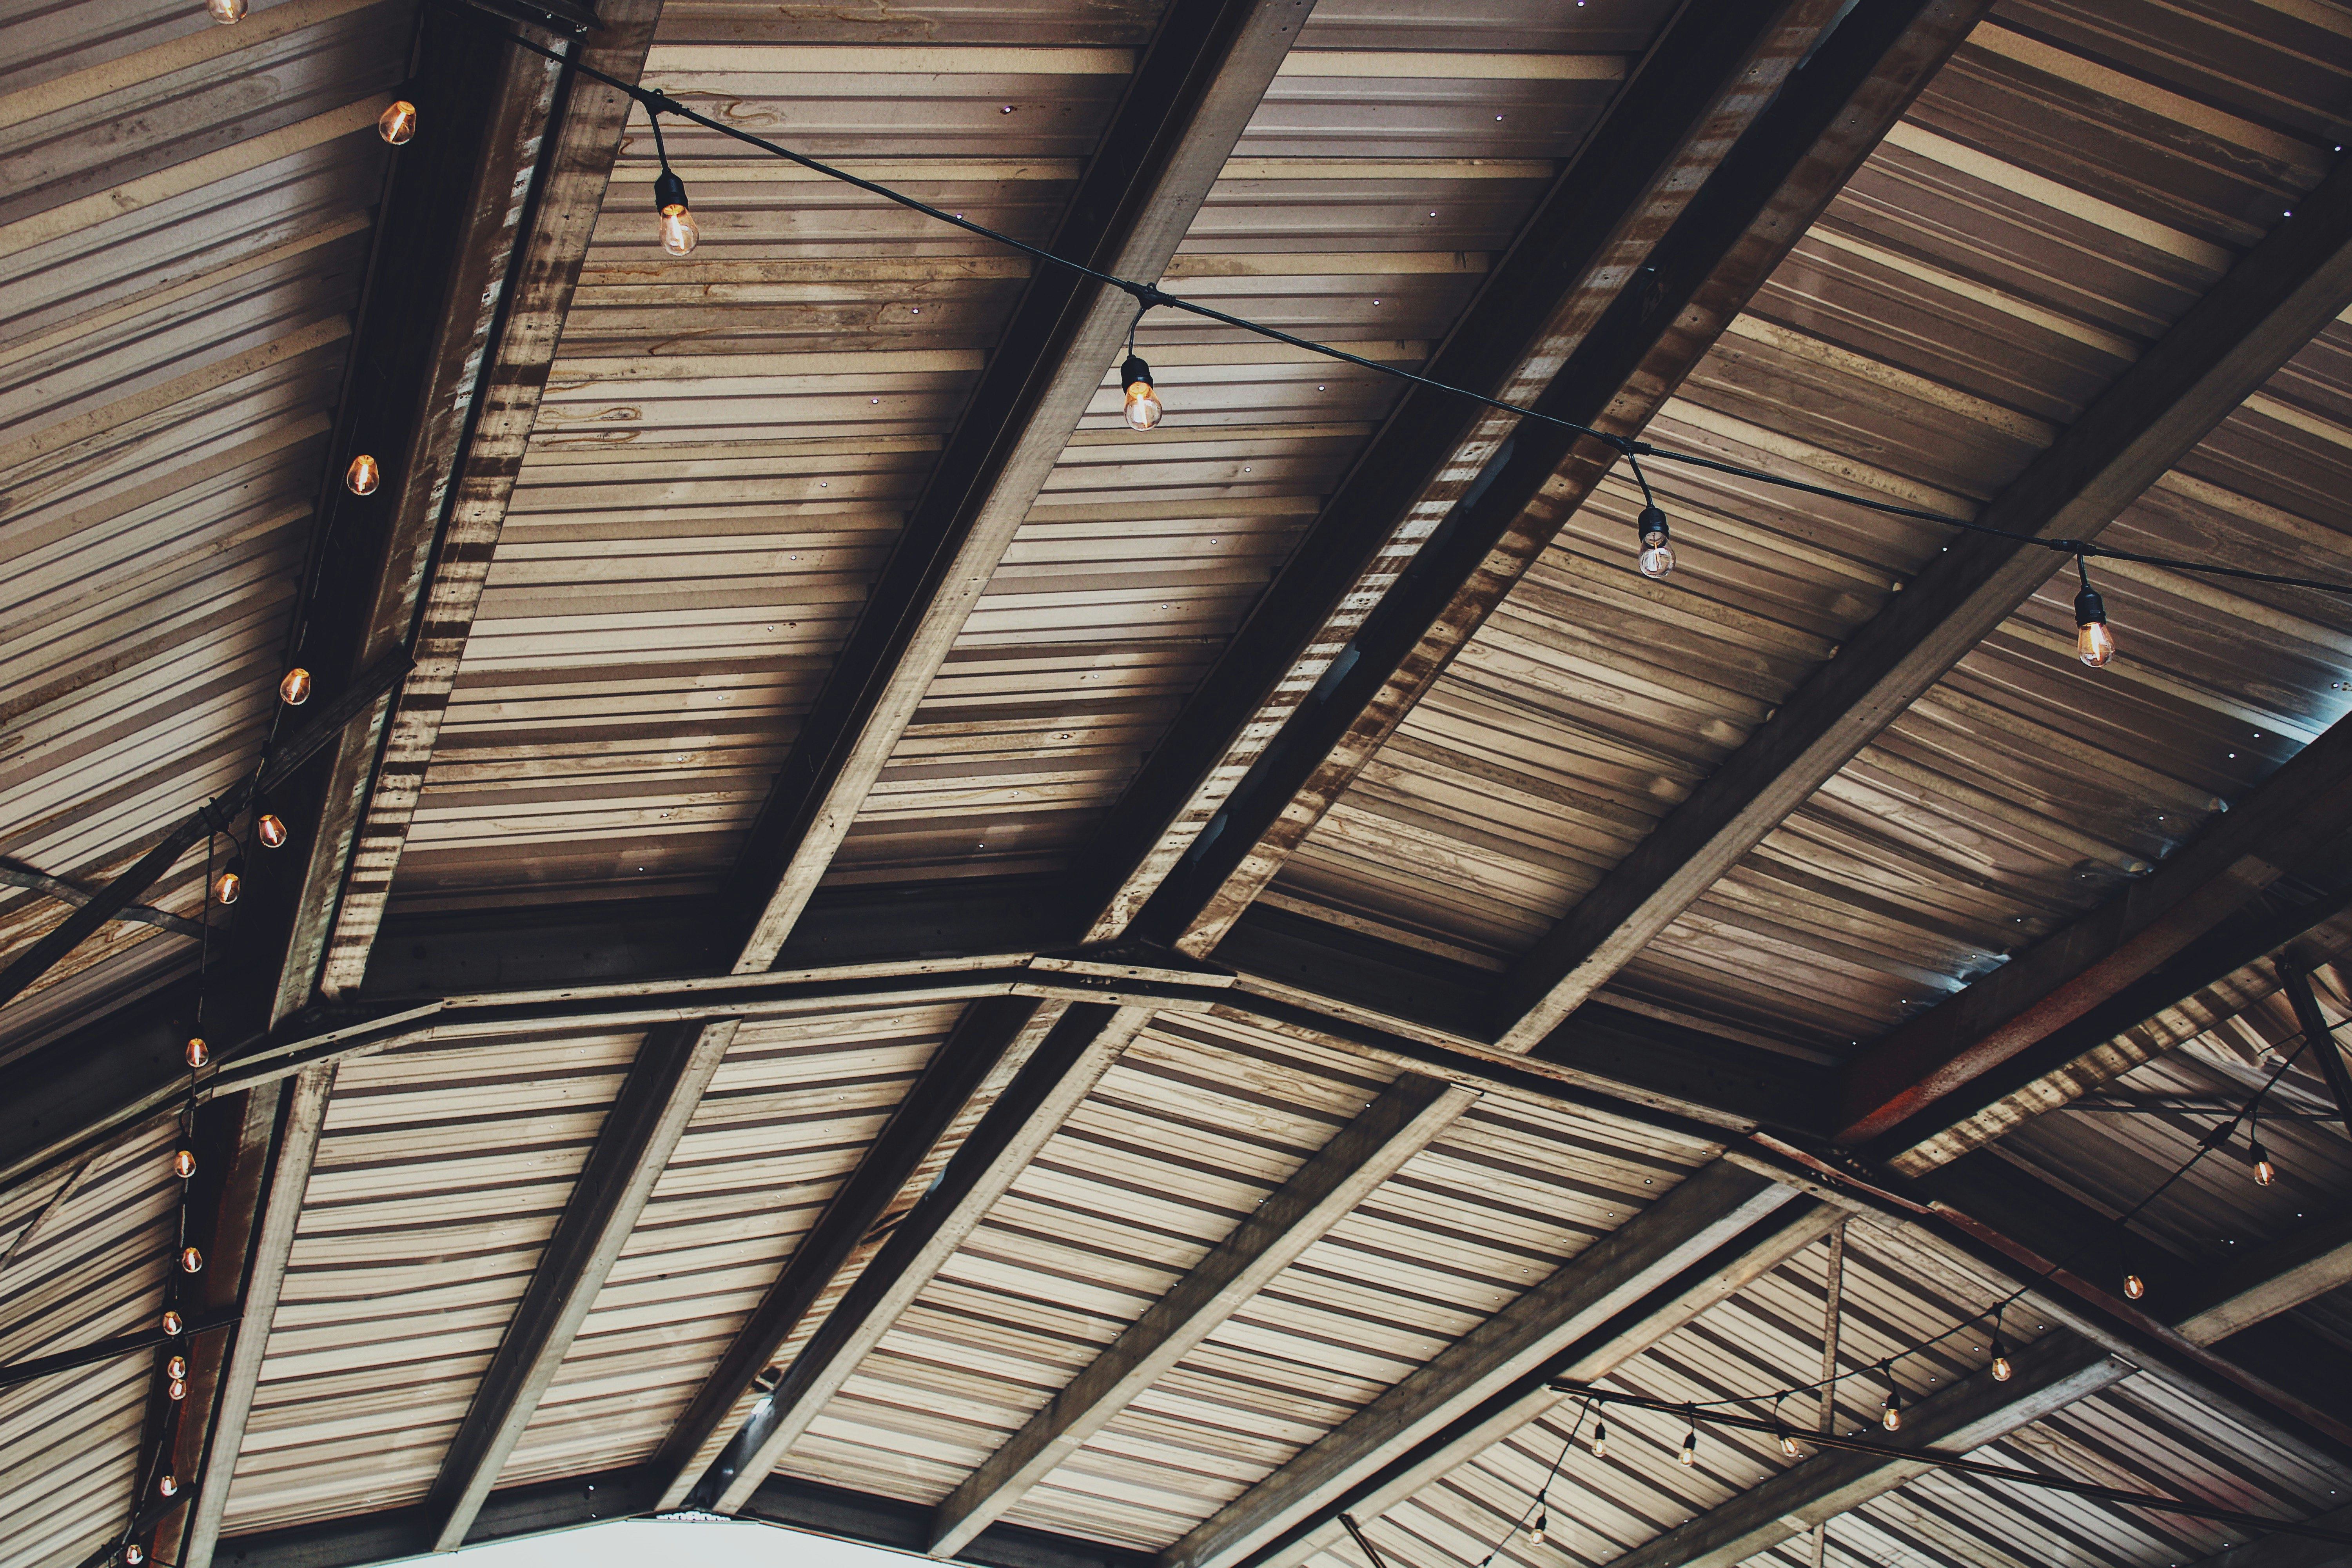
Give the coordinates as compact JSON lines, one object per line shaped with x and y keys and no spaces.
{"x":174,"y":1324}
{"x":1143,"y":406}
{"x":656,"y":104}
{"x":168,"y":1484}
{"x":1688,"y":1457}
{"x":2264,"y":1171}
{"x":1657,"y":557}
{"x":176,"y":1390}
{"x":397,"y":124}
{"x":269,"y":829}
{"x":133,"y":1554}
{"x":679,"y":232}
{"x":294,"y":689}
{"x":1600,"y":1439}
{"x":364,"y":474}
{"x":2002,"y":1369}
{"x":230,"y":882}
{"x":192,"y":1260}
{"x":183,"y":1163}
{"x":1788,"y":1444}
{"x":1891,"y":1417}
{"x":198,"y":1053}
{"x":227,"y":13}
{"x":2094,"y":643}
{"x":1536,"y":1531}
{"x":2134,"y":1287}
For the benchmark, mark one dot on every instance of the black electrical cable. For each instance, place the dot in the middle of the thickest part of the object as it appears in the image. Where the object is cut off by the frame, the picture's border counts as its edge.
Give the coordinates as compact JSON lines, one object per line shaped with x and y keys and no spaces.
{"x":1147,"y":295}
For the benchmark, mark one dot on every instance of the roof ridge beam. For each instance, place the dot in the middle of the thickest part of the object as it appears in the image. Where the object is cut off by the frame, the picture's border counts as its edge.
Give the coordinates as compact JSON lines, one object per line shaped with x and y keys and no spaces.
{"x":1707,"y":1211}
{"x":2279,"y":296}
{"x":1398,"y":1123}
{"x":650,"y":1113}
{"x":1190,"y":97}
{"x":1612,"y":293}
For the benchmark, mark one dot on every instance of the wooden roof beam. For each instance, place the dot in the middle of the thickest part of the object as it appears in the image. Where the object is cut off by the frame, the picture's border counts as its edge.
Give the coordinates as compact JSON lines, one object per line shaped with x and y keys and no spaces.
{"x":2318,"y":1038}
{"x":1509,"y":1354}
{"x":291,"y":1136}
{"x":1191,"y":95}
{"x":2273,"y":302}
{"x":2296,"y":820}
{"x":1065,"y":1066}
{"x":970,"y":1069}
{"x":2052,"y":1373}
{"x":1671,"y":214}
{"x":2285,"y":1550}
{"x":649,"y":1116}
{"x":1397,"y":1125}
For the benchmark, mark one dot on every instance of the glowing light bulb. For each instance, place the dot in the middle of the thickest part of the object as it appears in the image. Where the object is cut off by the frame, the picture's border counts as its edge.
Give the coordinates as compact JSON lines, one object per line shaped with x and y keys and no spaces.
{"x":397,"y":124}
{"x":2134,"y":1287}
{"x":2094,"y":643}
{"x":1688,"y":1457}
{"x":679,"y":232}
{"x":174,"y":1324}
{"x":183,"y":1163}
{"x":2264,"y":1171}
{"x":230,"y":883}
{"x":270,"y":830}
{"x":1143,"y":406}
{"x":177,"y":1389}
{"x":1536,"y":1531}
{"x":1787,"y":1445}
{"x":198,"y":1053}
{"x":1892,"y":1417}
{"x":225,"y":12}
{"x":2002,"y":1369}
{"x":294,"y":689}
{"x":133,"y":1554}
{"x":1601,"y":1440}
{"x":1657,"y":556}
{"x":176,"y":1367}
{"x":362,"y":477}
{"x":191,"y":1260}
{"x":168,"y":1484}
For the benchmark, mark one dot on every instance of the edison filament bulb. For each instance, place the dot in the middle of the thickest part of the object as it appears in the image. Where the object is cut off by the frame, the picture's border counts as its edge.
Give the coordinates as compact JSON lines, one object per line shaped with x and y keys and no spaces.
{"x":679,"y":232}
{"x":230,"y":883}
{"x":169,"y":1484}
{"x":2265,"y":1173}
{"x":1787,"y":1445}
{"x":134,"y":1554}
{"x":294,"y":689}
{"x":2094,"y":643}
{"x":2002,"y":1369}
{"x":1143,"y":408}
{"x":1657,"y":556}
{"x":1601,"y":1440}
{"x":177,"y":1367}
{"x":183,"y":1163}
{"x":270,"y":829}
{"x":362,"y":477}
{"x":225,"y":12}
{"x":191,"y":1260}
{"x":174,"y":1324}
{"x":397,"y":124}
{"x":198,"y":1053}
{"x":177,"y":1389}
{"x":2134,"y":1287}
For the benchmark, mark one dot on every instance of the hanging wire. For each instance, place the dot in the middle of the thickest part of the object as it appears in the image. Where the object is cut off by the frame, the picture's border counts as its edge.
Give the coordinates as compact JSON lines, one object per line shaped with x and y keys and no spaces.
{"x":1543,"y":1494}
{"x":2213,"y":1140}
{"x":657,"y":104}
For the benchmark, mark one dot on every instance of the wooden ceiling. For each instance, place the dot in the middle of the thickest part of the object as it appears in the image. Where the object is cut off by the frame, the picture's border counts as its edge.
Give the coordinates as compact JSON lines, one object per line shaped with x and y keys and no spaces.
{"x":865,"y":947}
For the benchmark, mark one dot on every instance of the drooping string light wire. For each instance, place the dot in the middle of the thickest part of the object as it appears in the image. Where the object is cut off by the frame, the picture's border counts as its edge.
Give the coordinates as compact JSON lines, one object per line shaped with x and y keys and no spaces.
{"x":2133,"y":1285}
{"x":1535,"y":1520}
{"x":657,"y":104}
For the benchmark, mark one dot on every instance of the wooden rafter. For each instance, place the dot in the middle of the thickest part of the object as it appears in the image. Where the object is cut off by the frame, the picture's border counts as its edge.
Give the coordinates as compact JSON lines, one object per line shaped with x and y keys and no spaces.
{"x":1611,"y":294}
{"x":1191,"y":95}
{"x":2269,"y":305}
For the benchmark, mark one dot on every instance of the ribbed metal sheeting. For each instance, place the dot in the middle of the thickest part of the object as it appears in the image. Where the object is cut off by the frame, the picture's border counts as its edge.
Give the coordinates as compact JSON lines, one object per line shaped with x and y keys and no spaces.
{"x":729,"y":441}
{"x":83,"y":1254}
{"x":440,"y":1175}
{"x":182,"y":237}
{"x":2060,"y":193}
{"x":1197,"y":1122}
{"x":791,"y":1111}
{"x":1374,"y":185}
{"x":2138,"y":1434}
{"x":2215,"y":1213}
